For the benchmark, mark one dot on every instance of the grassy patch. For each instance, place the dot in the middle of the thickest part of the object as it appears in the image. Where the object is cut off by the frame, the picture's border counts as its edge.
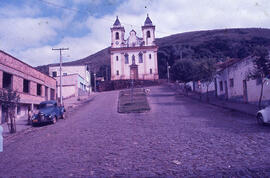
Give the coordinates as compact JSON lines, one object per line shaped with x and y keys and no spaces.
{"x":133,"y":104}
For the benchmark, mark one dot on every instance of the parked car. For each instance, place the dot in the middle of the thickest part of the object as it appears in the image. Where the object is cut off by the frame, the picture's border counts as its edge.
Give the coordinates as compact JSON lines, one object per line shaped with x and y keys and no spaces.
{"x":263,"y":116}
{"x":49,"y":112}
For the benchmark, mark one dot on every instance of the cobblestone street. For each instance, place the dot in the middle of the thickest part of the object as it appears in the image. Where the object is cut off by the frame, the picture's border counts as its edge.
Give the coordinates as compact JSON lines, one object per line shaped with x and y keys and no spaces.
{"x":178,"y":137}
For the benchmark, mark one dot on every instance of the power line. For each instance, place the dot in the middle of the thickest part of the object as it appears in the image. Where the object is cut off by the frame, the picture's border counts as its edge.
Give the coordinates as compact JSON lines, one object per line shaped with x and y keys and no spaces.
{"x":87,"y":12}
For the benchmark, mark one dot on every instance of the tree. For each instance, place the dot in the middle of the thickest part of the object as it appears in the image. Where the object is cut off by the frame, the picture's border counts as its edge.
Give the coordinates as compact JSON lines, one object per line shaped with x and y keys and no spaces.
{"x":261,"y":68}
{"x":178,"y":51}
{"x":164,"y":56}
{"x":10,"y":100}
{"x":205,"y":73}
{"x":183,"y":70}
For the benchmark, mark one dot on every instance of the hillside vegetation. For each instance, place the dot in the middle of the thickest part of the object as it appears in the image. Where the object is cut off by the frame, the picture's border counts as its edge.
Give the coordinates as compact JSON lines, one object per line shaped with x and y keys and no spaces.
{"x":217,"y":44}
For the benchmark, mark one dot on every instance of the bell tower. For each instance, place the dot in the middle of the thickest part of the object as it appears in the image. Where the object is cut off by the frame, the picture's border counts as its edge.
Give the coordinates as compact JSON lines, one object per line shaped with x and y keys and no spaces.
{"x":148,"y":31}
{"x":117,"y":34}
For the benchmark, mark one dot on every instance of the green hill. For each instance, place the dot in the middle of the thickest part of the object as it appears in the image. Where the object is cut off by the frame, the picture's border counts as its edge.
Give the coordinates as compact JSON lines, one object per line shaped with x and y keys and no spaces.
{"x":218,"y":44}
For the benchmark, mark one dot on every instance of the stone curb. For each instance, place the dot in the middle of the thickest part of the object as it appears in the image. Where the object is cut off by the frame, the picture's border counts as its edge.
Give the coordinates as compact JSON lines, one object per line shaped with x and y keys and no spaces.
{"x":222,"y":106}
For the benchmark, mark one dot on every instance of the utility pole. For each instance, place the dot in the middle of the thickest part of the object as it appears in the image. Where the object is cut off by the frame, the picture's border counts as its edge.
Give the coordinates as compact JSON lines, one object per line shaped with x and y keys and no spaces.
{"x":95,"y":83}
{"x":168,"y":72}
{"x":60,"y":50}
{"x":107,"y":78}
{"x":90,"y":82}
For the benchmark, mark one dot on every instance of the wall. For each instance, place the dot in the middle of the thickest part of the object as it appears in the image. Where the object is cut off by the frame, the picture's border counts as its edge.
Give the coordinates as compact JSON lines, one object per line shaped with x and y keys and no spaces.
{"x":254,"y":92}
{"x":203,"y":87}
{"x":68,"y":91}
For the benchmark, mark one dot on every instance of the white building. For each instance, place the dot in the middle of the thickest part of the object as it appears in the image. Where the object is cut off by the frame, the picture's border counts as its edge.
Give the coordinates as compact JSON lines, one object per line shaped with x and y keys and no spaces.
{"x":232,"y":82}
{"x":75,"y":80}
{"x":134,"y":57}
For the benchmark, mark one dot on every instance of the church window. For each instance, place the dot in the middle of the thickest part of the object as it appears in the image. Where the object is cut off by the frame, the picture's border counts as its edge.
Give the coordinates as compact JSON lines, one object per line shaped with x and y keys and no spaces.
{"x":150,"y":56}
{"x":151,"y":71}
{"x":148,"y":34}
{"x":117,"y":35}
{"x":116,"y":58}
{"x":126,"y":59}
{"x":133,"y":59}
{"x":117,"y":72}
{"x":140,"y":58}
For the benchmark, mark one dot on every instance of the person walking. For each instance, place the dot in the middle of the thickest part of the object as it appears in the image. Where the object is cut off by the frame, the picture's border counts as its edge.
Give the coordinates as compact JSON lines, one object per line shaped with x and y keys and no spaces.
{"x":30,"y":114}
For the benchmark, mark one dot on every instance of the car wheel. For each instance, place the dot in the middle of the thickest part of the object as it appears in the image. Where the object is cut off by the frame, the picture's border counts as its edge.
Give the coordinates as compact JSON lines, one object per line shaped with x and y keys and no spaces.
{"x":260,"y":119}
{"x":54,"y":120}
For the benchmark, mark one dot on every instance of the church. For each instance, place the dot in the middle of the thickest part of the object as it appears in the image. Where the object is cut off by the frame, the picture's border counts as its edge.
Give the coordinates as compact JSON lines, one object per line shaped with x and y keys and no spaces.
{"x":134,"y":57}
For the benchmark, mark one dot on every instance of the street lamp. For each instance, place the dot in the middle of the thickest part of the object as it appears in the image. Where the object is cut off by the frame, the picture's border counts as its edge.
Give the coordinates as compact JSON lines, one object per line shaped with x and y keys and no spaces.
{"x":168,"y":72}
{"x":95,"y":85}
{"x":89,"y":70}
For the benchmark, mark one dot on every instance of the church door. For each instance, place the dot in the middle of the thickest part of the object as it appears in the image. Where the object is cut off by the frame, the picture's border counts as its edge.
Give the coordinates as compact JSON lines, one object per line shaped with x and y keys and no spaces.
{"x":134,"y":72}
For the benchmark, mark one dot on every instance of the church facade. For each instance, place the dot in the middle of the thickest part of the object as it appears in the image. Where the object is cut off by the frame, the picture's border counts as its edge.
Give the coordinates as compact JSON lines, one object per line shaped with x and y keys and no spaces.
{"x":134,"y":57}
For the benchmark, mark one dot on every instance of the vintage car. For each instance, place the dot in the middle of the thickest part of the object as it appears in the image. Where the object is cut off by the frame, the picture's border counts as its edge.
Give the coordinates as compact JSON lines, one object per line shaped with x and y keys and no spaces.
{"x":263,"y":116}
{"x":48,"y":112}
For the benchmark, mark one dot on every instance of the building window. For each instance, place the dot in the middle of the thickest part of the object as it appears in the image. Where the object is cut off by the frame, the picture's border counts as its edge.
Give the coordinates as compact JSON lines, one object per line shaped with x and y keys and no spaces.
{"x":140,"y":57}
{"x":54,"y":74}
{"x":231,"y":82}
{"x":52,"y":94}
{"x":39,"y":89}
{"x":148,"y":34}
{"x":117,"y":36}
{"x":116,"y":58}
{"x":117,"y":72}
{"x":150,"y":56}
{"x":151,"y":71}
{"x":26,"y":86}
{"x":133,"y":59}
{"x":126,"y":59}
{"x":7,"y":80}
{"x":221,"y":86}
{"x":258,"y":81}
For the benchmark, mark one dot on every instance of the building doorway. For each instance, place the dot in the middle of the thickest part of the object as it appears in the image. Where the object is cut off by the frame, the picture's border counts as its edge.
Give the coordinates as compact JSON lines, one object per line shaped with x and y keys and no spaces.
{"x":226,"y":90}
{"x":46,"y":93}
{"x":245,"y":92}
{"x":216,"y":92}
{"x":134,"y":72}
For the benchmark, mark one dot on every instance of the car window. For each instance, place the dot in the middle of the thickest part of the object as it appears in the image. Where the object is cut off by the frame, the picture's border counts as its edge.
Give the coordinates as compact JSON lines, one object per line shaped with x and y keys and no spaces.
{"x":46,"y":105}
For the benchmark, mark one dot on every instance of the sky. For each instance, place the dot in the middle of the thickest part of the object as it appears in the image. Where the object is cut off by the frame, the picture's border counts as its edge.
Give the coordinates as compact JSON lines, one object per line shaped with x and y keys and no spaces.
{"x":29,"y":29}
